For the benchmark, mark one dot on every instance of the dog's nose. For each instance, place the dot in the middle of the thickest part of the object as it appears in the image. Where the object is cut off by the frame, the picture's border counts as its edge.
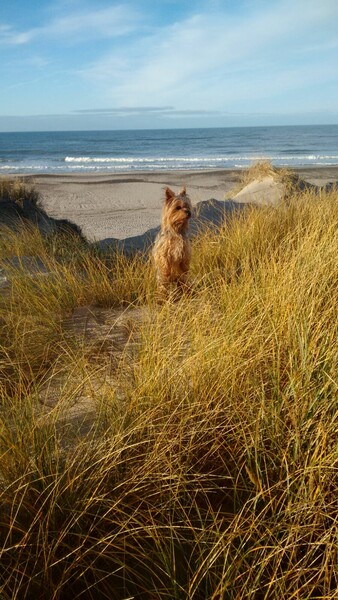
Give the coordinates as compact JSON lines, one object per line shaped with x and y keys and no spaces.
{"x":188,"y":212}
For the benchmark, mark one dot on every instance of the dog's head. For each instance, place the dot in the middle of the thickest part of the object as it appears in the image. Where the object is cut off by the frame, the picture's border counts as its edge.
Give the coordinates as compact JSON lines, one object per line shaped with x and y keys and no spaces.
{"x":176,"y":210}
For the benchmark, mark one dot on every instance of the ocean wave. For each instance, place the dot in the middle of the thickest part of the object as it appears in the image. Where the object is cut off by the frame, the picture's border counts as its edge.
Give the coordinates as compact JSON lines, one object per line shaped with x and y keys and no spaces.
{"x":194,"y":159}
{"x":23,"y":168}
{"x":163,"y":163}
{"x":136,"y":160}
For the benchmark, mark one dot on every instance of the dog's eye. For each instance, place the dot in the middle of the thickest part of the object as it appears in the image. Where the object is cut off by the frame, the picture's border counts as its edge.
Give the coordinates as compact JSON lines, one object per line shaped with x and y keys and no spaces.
{"x":178,"y":208}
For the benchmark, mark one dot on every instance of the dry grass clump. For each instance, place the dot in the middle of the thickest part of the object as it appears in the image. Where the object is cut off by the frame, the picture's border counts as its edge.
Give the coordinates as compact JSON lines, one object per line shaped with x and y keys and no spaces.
{"x":264,"y":168}
{"x":209,"y":469}
{"x":17,"y":191}
{"x":261,"y":169}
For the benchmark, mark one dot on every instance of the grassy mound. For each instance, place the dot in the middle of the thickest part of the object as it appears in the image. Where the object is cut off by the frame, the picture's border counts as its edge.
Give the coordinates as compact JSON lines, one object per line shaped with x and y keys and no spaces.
{"x":16,"y":191}
{"x":282,"y":176}
{"x":209,"y":469}
{"x":20,"y":206}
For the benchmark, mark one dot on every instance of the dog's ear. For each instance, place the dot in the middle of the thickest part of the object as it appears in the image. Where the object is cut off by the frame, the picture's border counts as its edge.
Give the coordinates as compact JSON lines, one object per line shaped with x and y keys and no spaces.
{"x":169,"y":195}
{"x":183,"y":191}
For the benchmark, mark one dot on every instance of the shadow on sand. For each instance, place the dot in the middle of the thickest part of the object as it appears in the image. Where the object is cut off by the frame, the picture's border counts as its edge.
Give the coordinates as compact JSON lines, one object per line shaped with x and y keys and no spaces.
{"x":209,"y":213}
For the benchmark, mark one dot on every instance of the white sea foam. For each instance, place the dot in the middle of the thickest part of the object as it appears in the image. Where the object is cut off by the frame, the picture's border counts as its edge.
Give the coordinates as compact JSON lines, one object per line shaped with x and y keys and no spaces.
{"x":136,"y":160}
{"x":164,"y":163}
{"x":130,"y":160}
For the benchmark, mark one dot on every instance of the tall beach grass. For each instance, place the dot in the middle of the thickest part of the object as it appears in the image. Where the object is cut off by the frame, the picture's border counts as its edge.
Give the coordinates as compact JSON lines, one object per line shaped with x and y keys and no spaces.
{"x":208,"y":466}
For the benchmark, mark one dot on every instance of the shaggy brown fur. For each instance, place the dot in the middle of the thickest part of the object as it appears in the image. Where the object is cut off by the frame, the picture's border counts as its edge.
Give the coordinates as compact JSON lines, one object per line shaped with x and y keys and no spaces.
{"x":172,"y":250}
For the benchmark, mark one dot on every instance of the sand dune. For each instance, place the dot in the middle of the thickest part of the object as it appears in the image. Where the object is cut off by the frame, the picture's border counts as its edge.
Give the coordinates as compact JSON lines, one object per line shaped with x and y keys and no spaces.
{"x":127,"y":206}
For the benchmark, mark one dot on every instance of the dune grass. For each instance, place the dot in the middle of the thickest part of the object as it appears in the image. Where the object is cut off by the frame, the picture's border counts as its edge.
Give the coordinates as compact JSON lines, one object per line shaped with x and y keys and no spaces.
{"x":262,"y":169}
{"x":209,"y":468}
{"x":17,"y":191}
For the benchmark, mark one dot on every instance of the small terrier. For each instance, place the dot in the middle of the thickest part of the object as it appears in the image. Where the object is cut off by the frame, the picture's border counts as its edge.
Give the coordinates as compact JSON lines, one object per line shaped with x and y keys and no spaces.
{"x":172,"y":250}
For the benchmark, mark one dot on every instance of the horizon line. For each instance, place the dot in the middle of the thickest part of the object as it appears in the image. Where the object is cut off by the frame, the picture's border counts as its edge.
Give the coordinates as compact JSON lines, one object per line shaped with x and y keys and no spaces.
{"x":172,"y":128}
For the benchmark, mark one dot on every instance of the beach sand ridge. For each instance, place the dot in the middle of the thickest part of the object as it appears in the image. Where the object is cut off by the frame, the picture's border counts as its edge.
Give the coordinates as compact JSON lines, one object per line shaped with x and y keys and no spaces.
{"x":126,"y":205}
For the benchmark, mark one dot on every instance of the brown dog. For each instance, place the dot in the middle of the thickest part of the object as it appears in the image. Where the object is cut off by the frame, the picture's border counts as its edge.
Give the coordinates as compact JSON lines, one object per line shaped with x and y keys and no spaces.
{"x":172,"y":250}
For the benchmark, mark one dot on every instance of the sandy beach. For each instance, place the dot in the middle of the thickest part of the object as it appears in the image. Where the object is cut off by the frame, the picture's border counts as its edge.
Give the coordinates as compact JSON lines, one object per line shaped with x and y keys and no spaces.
{"x":121,"y":206}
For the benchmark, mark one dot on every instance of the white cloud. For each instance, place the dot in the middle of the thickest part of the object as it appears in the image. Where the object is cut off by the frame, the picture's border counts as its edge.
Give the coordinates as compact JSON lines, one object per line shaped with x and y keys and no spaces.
{"x":191,"y":63}
{"x":114,"y":21}
{"x":150,"y":111}
{"x":11,"y":37}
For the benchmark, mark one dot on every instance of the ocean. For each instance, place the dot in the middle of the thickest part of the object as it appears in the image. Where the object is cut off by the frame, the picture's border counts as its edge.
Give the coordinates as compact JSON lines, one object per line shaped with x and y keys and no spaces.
{"x":169,"y":149}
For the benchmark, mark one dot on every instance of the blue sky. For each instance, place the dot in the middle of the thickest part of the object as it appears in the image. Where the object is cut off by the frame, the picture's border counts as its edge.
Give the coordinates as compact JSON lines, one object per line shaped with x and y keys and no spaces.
{"x":80,"y":64}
